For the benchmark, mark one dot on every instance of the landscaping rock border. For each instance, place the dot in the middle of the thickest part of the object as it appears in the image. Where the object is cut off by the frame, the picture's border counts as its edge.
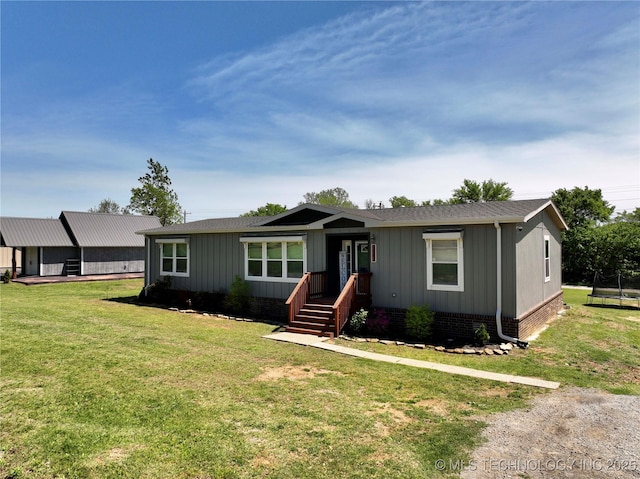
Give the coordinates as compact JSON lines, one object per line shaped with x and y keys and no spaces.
{"x":488,"y":349}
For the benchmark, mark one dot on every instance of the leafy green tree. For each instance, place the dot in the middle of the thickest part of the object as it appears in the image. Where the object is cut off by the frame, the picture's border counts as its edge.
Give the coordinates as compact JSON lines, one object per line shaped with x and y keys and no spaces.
{"x":333,"y":197}
{"x":155,"y":197}
{"x":583,"y":210}
{"x":270,"y":209}
{"x":474,"y":192}
{"x":582,"y":207}
{"x":629,"y":217}
{"x":401,"y":202}
{"x":108,"y":206}
{"x":615,"y":248}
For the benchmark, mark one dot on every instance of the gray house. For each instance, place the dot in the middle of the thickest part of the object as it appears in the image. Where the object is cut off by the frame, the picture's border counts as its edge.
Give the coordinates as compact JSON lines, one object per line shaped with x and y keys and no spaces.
{"x":497,"y":263}
{"x":77,"y":243}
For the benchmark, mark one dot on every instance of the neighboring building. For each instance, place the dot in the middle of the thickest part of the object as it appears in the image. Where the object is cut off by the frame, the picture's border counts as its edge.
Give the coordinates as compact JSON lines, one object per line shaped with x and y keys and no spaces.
{"x":497,"y":263}
{"x":77,"y":243}
{"x":7,"y":258}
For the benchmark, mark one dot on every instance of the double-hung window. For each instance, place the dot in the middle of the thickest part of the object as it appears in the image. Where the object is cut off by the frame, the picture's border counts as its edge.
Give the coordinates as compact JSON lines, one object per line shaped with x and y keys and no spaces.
{"x":174,"y":257}
{"x":277,"y":259}
{"x":547,"y":258}
{"x":445,"y":261}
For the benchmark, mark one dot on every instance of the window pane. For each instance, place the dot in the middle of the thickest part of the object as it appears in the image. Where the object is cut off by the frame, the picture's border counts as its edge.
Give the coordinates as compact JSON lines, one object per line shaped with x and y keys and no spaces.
{"x":294,"y":250}
{"x":294,"y":269}
{"x":181,"y":250}
{"x":274,"y":269}
{"x":547,"y":268}
{"x":274,"y":250}
{"x":445,"y":250}
{"x":255,"y":250}
{"x":167,"y":265}
{"x":167,"y":250}
{"x":446,"y":274}
{"x":181,"y":266}
{"x":255,"y":268}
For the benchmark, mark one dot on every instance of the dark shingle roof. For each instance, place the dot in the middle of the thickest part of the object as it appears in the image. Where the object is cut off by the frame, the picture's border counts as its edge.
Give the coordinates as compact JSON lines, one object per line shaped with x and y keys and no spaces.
{"x":471,"y":213}
{"x":21,"y":232}
{"x":107,"y":230}
{"x":466,"y":213}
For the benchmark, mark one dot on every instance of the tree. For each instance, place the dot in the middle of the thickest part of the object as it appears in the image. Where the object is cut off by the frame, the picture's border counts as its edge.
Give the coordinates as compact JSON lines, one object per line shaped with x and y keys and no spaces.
{"x":474,"y":192}
{"x":108,"y":206}
{"x":583,"y":210}
{"x":155,"y":197}
{"x":401,"y":202}
{"x":270,"y":209}
{"x":333,"y":197}
{"x":582,"y":207}
{"x":629,"y":217}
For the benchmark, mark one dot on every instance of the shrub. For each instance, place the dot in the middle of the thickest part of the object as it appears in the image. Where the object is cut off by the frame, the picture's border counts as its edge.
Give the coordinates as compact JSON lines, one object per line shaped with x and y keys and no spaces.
{"x":238,"y":300}
{"x":7,"y":276}
{"x":358,"y":320}
{"x":481,"y":335}
{"x":418,"y":322}
{"x":158,"y":292}
{"x":378,"y":322}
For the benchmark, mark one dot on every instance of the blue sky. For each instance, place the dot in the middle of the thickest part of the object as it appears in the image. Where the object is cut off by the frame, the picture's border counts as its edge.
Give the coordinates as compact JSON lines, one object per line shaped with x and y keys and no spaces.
{"x":255,"y":102}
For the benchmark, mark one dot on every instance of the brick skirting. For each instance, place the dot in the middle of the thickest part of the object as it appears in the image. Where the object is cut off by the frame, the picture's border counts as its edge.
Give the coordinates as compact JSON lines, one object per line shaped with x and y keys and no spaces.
{"x":461,"y":327}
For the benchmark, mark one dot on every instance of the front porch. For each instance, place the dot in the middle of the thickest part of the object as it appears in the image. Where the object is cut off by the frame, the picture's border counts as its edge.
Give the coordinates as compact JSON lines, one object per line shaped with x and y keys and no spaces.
{"x":312,"y":311}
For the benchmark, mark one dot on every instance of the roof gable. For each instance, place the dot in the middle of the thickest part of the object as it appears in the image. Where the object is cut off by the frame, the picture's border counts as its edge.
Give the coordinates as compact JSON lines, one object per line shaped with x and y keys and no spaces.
{"x":107,"y":230}
{"x":27,"y":232}
{"x":300,"y":217}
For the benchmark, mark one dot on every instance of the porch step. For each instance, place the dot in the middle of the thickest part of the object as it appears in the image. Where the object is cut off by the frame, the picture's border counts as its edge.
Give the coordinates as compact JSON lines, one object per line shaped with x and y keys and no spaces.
{"x":313,"y":318}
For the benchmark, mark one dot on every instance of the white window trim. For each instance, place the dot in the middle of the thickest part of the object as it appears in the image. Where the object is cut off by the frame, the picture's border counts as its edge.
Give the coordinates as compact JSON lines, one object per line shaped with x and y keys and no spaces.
{"x":450,"y":235}
{"x":160,"y":242}
{"x":245,"y":240}
{"x":547,"y":259}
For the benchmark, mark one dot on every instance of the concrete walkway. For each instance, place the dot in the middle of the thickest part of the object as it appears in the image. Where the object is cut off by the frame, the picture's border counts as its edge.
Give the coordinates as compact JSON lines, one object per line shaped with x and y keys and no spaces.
{"x":320,"y":342}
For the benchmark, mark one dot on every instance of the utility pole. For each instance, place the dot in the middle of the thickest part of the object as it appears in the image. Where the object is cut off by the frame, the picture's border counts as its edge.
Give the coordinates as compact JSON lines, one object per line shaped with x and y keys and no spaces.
{"x":185,"y":213}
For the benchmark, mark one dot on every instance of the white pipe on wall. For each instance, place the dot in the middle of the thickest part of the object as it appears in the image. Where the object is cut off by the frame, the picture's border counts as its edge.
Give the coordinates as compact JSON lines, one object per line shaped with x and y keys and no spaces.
{"x":499,"y":286}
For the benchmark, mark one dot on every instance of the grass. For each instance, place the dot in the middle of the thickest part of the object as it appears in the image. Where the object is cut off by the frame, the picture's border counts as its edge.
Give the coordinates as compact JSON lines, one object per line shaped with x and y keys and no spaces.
{"x":588,"y":346}
{"x":94,"y":386}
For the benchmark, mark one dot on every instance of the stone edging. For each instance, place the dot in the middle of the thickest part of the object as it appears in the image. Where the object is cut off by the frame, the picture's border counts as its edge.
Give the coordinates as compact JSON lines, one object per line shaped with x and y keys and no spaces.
{"x":489,"y":349}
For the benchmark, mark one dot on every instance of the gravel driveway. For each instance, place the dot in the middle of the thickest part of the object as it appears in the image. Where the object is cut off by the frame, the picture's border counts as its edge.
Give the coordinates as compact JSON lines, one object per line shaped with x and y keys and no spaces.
{"x":569,"y":433}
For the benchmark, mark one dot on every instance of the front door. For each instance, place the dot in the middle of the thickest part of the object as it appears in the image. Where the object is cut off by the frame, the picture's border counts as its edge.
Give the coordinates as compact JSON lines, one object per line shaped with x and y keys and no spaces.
{"x":31,"y":261}
{"x":346,"y":254}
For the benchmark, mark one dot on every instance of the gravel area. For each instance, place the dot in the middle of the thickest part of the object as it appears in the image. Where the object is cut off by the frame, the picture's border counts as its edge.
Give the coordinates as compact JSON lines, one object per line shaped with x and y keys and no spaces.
{"x":568,"y":433}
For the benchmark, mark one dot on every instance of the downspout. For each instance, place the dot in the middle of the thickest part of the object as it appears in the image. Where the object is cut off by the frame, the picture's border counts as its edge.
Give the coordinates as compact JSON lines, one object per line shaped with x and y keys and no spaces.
{"x":519,"y":343}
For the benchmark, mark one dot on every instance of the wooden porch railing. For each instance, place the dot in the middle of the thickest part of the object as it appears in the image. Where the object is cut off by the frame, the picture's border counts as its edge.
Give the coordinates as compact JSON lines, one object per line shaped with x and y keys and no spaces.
{"x":342,"y":306}
{"x":311,"y":285}
{"x":356,"y":292}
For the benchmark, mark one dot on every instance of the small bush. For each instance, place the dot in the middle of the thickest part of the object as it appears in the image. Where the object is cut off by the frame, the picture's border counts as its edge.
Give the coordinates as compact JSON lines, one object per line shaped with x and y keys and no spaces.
{"x":378,"y":323}
{"x":418,"y":322}
{"x":158,"y":292}
{"x":238,"y":300}
{"x":358,"y":320}
{"x":481,"y":335}
{"x":6,"y":278}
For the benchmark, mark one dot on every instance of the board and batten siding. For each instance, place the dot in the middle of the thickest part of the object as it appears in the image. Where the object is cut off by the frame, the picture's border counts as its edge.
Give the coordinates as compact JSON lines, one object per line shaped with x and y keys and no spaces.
{"x":532,"y":289}
{"x":53,"y":259}
{"x":400,"y":272}
{"x":215,"y":259}
{"x":112,"y":260}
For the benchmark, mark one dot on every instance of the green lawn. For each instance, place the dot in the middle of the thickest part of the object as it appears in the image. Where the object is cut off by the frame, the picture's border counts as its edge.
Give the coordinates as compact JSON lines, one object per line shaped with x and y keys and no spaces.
{"x":588,"y":346}
{"x":94,"y":386}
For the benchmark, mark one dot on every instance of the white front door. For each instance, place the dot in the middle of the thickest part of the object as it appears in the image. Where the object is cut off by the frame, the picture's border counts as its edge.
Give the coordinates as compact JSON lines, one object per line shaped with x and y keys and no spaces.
{"x":31,"y":261}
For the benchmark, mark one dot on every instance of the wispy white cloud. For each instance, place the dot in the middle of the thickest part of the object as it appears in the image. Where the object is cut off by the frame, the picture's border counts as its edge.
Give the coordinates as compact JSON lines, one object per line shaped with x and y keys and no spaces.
{"x":401,"y":99}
